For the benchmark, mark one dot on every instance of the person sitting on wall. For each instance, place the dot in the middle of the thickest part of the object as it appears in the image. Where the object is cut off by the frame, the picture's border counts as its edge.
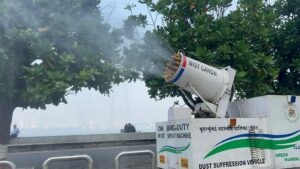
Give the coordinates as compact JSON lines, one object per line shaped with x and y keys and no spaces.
{"x":131,"y":128}
{"x":126,"y":128}
{"x":15,"y":132}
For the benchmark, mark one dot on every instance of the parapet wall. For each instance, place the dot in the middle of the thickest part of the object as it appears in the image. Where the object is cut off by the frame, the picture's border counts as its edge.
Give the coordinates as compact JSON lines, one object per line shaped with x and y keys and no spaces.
{"x":26,"y":144}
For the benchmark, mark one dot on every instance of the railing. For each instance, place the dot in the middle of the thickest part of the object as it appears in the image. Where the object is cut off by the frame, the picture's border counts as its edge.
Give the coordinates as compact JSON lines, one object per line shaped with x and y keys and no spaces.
{"x":131,"y":153}
{"x":66,"y":158}
{"x":7,"y":163}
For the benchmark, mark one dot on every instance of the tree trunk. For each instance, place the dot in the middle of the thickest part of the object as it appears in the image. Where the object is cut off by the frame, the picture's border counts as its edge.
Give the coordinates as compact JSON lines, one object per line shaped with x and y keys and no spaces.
{"x":6,"y":112}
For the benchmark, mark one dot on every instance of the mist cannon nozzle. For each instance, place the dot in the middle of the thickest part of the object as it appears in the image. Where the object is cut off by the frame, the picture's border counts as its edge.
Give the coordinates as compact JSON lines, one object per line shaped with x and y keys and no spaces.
{"x":207,"y":82}
{"x":172,"y":67}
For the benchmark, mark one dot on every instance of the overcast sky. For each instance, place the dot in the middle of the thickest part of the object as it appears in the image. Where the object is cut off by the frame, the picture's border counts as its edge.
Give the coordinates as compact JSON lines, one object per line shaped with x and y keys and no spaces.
{"x":89,"y":111}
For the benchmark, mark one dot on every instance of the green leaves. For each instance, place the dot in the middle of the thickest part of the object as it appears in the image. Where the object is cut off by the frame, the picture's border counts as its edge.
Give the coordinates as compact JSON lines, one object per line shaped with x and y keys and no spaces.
{"x":259,"y":39}
{"x":49,"y":48}
{"x":132,"y":22}
{"x":241,"y":74}
{"x":286,"y":39}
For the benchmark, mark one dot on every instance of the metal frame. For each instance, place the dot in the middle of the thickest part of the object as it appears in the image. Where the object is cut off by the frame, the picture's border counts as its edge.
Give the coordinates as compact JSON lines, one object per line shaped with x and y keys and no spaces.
{"x":64,"y":158}
{"x":10,"y":164}
{"x":130,"y":153}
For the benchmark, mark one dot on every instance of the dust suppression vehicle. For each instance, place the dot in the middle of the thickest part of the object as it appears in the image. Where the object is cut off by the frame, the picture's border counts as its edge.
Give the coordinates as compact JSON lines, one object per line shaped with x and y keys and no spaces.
{"x":260,"y":132}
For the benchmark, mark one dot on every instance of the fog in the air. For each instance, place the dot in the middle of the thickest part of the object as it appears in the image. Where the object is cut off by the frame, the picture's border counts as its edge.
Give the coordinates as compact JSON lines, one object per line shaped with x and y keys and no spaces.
{"x":89,"y":112}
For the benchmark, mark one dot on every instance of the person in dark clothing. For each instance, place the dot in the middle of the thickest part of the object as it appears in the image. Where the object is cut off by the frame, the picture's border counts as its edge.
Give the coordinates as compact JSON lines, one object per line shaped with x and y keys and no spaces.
{"x":126,"y":128}
{"x":131,"y":128}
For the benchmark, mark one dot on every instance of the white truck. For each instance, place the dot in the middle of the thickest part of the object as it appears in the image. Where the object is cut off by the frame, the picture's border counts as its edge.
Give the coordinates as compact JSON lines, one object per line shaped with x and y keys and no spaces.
{"x":261,"y":132}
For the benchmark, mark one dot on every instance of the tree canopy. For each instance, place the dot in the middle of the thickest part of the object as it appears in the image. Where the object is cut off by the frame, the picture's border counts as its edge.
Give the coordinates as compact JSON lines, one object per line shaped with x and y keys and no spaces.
{"x":286,"y":44}
{"x":51,"y":48}
{"x":258,"y":38}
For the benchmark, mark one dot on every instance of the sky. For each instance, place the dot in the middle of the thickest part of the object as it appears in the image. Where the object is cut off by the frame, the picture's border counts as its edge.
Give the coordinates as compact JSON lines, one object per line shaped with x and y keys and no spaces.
{"x":89,"y":112}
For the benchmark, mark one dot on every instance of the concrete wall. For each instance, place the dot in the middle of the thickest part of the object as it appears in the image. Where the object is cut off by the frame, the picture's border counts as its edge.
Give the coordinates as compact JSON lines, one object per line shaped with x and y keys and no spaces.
{"x":26,"y":144}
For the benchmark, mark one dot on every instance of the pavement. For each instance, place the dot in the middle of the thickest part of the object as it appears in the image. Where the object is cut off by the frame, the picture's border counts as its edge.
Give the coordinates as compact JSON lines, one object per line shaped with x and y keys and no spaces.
{"x":103,"y":158}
